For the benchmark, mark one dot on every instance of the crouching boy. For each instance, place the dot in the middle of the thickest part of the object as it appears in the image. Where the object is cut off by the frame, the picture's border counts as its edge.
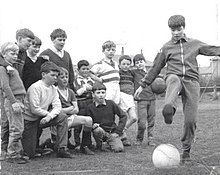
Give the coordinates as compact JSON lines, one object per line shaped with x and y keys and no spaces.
{"x":103,"y":114}
{"x":42,"y":109}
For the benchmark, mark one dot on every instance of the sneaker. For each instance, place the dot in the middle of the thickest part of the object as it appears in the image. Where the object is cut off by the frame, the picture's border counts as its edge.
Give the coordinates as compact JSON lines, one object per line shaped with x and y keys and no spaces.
{"x":137,"y":142}
{"x":151,"y":142}
{"x":125,"y":142}
{"x":86,"y":150}
{"x":62,"y":153}
{"x":185,"y":156}
{"x":3,"y":155}
{"x":17,"y":160}
{"x":168,"y":112}
{"x":77,"y":148}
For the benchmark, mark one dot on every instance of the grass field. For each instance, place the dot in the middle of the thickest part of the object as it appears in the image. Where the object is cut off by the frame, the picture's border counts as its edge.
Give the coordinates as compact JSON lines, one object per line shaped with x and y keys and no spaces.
{"x":137,"y":159}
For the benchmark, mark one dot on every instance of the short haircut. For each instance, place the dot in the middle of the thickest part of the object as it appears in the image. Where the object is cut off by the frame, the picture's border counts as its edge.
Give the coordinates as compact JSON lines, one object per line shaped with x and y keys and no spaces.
{"x":49,"y":66}
{"x":82,"y":63}
{"x":176,"y":21}
{"x":98,"y":86}
{"x":108,"y":44}
{"x":24,"y":33}
{"x":9,"y":46}
{"x":36,"y":41}
{"x":124,"y":57}
{"x":63,"y":71}
{"x":58,"y":33}
{"x":138,"y":57}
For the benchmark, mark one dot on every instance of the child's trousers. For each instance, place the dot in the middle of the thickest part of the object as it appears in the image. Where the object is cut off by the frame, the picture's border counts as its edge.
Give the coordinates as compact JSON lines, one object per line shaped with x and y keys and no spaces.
{"x":189,"y":91}
{"x":146,"y":116}
{"x":16,"y":127}
{"x":101,"y":135}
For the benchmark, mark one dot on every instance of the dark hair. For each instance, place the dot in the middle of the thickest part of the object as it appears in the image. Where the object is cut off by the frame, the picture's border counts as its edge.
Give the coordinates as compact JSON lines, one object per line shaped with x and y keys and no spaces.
{"x":124,"y":57}
{"x":24,"y":33}
{"x":49,"y":66}
{"x":37,"y":41}
{"x":108,"y":44}
{"x":176,"y":21}
{"x":82,"y":63}
{"x":98,"y":86}
{"x":58,"y":33}
{"x":138,"y":57}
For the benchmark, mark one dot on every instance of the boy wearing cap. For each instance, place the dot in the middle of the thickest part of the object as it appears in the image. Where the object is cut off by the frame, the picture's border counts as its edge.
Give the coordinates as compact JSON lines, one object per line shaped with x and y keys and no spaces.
{"x":182,"y":77}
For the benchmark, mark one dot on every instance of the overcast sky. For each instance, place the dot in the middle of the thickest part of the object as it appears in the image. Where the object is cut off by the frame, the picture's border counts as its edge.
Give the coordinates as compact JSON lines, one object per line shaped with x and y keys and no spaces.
{"x":133,"y":24}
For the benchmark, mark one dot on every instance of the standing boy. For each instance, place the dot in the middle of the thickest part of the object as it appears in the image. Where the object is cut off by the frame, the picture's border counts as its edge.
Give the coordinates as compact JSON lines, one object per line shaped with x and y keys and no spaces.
{"x":103,"y":114}
{"x":42,"y":109}
{"x":58,"y":55}
{"x":126,"y":96}
{"x":182,"y":77}
{"x":83,"y":86}
{"x":145,"y":103}
{"x":14,"y":92}
{"x":108,"y":72}
{"x":31,"y":69}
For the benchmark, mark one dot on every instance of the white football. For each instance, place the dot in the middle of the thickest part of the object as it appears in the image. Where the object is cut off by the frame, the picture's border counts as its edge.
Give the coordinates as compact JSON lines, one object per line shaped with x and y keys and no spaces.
{"x":166,"y":156}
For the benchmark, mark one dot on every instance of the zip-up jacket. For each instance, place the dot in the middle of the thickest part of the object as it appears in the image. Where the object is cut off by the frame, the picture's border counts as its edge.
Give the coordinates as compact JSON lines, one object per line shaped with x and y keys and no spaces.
{"x":180,"y":57}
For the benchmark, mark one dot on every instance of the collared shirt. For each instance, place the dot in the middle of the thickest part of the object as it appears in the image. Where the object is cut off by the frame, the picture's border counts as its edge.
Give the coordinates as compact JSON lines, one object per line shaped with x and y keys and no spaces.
{"x":60,"y":53}
{"x":33,"y":59}
{"x":100,"y":104}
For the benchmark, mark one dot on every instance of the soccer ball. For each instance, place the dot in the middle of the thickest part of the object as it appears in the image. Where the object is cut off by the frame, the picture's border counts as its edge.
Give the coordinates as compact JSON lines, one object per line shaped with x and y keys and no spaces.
{"x":166,"y":156}
{"x":158,"y":86}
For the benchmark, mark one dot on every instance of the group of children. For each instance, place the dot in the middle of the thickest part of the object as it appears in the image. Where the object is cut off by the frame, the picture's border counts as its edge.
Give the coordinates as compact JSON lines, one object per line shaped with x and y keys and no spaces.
{"x":42,"y":91}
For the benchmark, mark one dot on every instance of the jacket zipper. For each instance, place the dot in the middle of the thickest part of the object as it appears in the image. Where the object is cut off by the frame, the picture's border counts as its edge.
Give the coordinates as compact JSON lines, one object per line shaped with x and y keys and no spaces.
{"x":182,"y":58}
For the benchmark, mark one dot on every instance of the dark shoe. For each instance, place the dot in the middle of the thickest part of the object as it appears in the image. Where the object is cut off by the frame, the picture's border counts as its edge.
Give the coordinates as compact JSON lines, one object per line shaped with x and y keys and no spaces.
{"x":125,"y":142}
{"x":43,"y":152}
{"x":17,"y":160}
{"x":86,"y":150}
{"x":185,"y":156}
{"x":62,"y":153}
{"x":101,"y":149}
{"x":70,"y":145}
{"x":168,"y":112}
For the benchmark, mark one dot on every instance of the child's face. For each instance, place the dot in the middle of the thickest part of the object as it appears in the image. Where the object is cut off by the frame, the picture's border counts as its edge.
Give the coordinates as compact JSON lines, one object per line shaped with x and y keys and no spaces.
{"x":177,"y":33}
{"x":50,"y":78}
{"x":109,"y":52}
{"x":99,"y":96}
{"x":62,"y":80}
{"x":125,"y":65}
{"x":84,"y":71}
{"x":11,"y":56}
{"x":59,"y":43}
{"x":140,"y":64}
{"x":34,"y":50}
{"x":24,"y":42}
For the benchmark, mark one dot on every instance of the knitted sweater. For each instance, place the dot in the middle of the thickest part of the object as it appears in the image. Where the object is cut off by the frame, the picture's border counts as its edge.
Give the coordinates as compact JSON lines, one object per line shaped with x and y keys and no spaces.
{"x":64,"y":62}
{"x":105,"y":116}
{"x":11,"y":84}
{"x":39,"y":99}
{"x":31,"y":71}
{"x":126,"y":81}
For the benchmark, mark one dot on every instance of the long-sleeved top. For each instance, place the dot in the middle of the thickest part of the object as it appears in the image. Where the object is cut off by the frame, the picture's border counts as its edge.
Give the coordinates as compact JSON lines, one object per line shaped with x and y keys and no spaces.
{"x":19,"y":64}
{"x":180,"y":57}
{"x":31,"y":71}
{"x":64,"y":62}
{"x":38,"y":100}
{"x":126,"y":82}
{"x":11,"y":84}
{"x":104,"y":114}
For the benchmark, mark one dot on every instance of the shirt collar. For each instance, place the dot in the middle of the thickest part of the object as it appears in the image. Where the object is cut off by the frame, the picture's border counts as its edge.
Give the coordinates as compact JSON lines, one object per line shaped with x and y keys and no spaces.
{"x":100,"y":104}
{"x":34,"y":59}
{"x":184,"y":38}
{"x":58,"y":52}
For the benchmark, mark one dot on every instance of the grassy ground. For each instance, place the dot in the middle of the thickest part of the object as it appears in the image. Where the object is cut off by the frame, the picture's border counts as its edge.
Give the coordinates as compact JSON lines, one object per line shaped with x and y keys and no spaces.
{"x":137,"y":159}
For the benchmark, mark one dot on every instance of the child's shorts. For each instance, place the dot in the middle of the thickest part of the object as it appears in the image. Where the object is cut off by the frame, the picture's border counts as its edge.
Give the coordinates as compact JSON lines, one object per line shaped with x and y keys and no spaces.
{"x":126,"y":101}
{"x":70,"y":120}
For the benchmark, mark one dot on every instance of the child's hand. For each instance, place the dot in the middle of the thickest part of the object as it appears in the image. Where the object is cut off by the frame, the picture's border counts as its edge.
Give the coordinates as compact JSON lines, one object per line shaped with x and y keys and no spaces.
{"x":10,"y":69}
{"x":95,"y":125}
{"x":138,"y":92}
{"x":46,"y":57}
{"x":45,"y":120}
{"x":88,"y":87}
{"x":17,"y":107}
